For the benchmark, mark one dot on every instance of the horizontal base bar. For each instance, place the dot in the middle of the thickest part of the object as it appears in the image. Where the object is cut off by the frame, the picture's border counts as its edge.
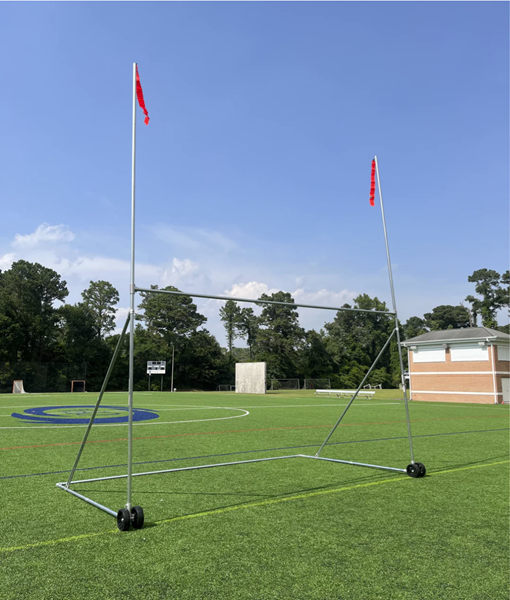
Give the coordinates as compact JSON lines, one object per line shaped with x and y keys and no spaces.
{"x":357,"y":464}
{"x":66,"y":488}
{"x":237,"y":462}
{"x":63,"y":486}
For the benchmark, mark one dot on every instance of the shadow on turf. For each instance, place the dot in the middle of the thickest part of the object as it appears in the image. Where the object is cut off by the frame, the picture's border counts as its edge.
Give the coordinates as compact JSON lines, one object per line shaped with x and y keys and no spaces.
{"x":470,"y":464}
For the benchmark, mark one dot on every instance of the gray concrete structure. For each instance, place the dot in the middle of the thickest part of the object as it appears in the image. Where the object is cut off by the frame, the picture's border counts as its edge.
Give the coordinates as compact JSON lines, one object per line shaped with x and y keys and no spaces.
{"x":251,"y":378}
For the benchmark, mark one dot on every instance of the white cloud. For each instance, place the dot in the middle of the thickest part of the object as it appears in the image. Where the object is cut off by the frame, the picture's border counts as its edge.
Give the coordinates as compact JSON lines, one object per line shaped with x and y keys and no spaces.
{"x":324,"y":297}
{"x":185,"y":273}
{"x":253,"y":289}
{"x":44,"y":233}
{"x":121,"y":313}
{"x":6,"y":261}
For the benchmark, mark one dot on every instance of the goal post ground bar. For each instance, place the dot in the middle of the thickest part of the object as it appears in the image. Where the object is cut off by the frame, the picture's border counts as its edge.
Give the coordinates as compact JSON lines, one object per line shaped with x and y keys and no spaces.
{"x":66,"y":487}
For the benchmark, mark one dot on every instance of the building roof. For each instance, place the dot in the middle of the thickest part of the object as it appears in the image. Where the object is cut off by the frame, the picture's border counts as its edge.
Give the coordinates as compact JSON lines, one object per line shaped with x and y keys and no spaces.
{"x":458,"y":335}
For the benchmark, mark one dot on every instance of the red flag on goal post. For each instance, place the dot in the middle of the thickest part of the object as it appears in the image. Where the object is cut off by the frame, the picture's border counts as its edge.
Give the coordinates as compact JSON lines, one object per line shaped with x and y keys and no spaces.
{"x":139,"y":95}
{"x":372,"y":184}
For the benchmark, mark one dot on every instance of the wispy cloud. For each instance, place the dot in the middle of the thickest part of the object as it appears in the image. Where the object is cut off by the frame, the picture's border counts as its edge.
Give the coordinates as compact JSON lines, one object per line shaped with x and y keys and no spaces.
{"x":195,"y":239}
{"x":44,"y":233}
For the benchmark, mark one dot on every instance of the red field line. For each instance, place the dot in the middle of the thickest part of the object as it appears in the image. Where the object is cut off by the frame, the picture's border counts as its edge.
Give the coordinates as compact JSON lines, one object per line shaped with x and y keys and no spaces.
{"x":173,"y":435}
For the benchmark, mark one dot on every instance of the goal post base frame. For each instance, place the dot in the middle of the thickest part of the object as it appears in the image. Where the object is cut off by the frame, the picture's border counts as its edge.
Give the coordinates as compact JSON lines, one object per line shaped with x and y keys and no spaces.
{"x":67,"y":487}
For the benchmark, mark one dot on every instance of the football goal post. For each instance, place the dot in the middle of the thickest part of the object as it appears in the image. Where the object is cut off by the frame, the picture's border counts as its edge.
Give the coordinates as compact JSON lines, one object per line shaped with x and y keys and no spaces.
{"x":132,"y":515}
{"x":17,"y":387}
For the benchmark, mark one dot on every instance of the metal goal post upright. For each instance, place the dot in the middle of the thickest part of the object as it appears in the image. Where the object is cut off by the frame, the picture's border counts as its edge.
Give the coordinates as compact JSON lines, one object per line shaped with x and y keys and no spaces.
{"x":131,"y":515}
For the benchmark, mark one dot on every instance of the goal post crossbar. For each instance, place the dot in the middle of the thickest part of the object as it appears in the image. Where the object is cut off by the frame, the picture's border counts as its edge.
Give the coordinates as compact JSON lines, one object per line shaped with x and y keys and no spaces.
{"x":293,"y":304}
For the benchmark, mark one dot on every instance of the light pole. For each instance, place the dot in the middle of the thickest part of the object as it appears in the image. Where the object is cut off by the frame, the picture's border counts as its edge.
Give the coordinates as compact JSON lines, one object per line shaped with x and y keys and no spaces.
{"x":172,"y":381}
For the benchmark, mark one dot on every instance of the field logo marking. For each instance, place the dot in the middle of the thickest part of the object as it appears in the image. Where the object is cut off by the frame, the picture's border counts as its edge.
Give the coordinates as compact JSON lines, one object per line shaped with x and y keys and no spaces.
{"x":81,"y":414}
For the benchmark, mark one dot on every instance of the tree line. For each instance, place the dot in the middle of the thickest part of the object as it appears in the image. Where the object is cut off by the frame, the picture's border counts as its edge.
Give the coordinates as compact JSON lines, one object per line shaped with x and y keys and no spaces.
{"x":47,"y":342}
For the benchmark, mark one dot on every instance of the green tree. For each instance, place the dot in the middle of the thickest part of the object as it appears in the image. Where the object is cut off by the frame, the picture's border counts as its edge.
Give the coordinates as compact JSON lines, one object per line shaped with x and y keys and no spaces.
{"x":230,"y":314}
{"x":171,"y":317}
{"x":447,"y":316}
{"x":28,"y":317}
{"x":279,"y":337}
{"x":101,"y":298}
{"x":356,"y":338}
{"x":247,"y":328}
{"x":201,"y":363}
{"x":174,"y":320}
{"x":316,"y":361}
{"x":79,"y":343}
{"x":494,"y":290}
{"x":414,"y":326}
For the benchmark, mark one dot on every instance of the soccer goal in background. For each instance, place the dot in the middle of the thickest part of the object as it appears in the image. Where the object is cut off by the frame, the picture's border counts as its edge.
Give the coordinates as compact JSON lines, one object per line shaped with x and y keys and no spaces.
{"x":284,"y":384}
{"x":78,"y":385}
{"x":317,"y":384}
{"x":226,"y":387}
{"x":17,"y":387}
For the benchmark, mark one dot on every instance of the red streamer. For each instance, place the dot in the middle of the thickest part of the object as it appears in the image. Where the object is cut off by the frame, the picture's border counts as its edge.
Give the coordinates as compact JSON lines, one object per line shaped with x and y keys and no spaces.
{"x":372,"y":185}
{"x":139,"y":95}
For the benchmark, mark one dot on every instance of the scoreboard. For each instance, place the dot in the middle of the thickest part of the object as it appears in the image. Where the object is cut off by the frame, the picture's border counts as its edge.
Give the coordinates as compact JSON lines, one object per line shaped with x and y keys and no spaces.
{"x":156,"y":367}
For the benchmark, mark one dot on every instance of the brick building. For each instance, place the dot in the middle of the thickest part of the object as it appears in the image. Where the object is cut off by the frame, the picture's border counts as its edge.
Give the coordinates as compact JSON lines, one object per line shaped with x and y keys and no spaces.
{"x":460,"y":365}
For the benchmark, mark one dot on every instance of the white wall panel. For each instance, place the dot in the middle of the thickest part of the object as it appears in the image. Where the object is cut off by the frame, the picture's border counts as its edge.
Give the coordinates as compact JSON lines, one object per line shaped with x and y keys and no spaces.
{"x":251,"y":378}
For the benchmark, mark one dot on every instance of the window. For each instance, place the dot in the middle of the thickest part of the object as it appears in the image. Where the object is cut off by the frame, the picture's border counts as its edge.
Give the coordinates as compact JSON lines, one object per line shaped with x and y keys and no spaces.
{"x":426,"y":354}
{"x":469,"y":352}
{"x":503,"y":352}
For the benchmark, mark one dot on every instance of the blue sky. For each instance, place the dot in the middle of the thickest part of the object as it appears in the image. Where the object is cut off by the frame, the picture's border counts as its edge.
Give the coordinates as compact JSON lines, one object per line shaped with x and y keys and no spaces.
{"x":254,"y":172}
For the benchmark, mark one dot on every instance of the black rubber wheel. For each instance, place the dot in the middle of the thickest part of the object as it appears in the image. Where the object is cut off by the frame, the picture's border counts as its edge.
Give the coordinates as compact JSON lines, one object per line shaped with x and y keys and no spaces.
{"x":123,"y":519}
{"x":422,"y":468}
{"x":413,"y":470}
{"x":137,"y":517}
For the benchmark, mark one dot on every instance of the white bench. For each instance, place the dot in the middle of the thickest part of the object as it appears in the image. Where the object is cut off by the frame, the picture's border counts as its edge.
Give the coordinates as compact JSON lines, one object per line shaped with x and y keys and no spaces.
{"x":344,"y":393}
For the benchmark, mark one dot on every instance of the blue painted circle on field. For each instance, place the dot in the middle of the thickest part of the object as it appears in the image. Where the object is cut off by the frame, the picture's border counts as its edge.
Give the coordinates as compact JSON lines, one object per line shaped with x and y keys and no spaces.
{"x":81,"y":414}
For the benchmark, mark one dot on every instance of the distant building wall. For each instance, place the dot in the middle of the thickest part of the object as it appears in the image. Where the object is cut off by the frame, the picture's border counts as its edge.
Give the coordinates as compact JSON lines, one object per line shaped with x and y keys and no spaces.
{"x":435,"y":377}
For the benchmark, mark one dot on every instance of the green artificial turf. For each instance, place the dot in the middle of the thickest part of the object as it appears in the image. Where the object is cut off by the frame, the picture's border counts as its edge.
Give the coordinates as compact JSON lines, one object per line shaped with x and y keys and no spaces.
{"x":295,"y":528}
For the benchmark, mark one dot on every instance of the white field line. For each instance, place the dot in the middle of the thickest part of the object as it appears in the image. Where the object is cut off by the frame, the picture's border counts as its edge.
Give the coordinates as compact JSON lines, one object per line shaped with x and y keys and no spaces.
{"x":185,"y":408}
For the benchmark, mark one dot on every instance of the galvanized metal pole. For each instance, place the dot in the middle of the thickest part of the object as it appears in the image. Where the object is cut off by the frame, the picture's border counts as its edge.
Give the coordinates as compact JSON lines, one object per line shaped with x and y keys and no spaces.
{"x":172,"y":381}
{"x":132,"y":303}
{"x":396,"y":315}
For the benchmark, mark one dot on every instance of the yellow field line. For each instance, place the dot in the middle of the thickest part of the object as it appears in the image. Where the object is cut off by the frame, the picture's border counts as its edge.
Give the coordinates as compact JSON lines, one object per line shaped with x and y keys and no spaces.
{"x":311,"y":494}
{"x":218,"y":511}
